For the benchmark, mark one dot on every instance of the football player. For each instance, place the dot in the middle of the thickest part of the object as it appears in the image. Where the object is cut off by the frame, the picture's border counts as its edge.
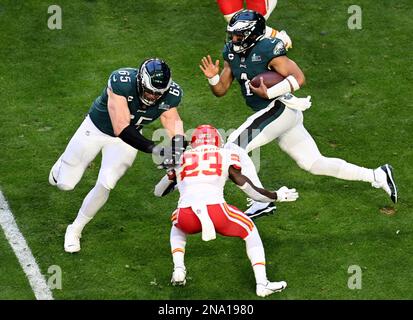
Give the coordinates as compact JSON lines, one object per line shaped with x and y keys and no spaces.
{"x":202,"y":208}
{"x":132,"y":98}
{"x":229,"y":7}
{"x":278,"y":114}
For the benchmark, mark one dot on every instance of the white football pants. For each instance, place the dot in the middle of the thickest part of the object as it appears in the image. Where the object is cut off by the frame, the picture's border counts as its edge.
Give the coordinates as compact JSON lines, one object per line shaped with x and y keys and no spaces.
{"x":285,"y":125}
{"x":85,"y":145}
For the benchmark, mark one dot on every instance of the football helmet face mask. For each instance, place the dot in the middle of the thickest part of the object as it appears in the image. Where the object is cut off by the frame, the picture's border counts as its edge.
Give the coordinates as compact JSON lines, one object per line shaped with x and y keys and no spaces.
{"x":244,"y":29}
{"x":154,"y":80}
{"x":206,"y":135}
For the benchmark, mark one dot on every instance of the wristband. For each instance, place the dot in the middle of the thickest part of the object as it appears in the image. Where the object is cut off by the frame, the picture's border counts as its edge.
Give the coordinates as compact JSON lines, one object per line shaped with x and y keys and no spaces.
{"x":293,"y":81}
{"x":214,"y":80}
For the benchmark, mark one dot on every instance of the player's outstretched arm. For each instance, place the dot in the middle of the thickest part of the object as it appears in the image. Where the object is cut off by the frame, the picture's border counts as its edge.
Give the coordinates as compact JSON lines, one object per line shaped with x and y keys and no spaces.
{"x":166,"y":185}
{"x":172,"y":122}
{"x":260,"y":194}
{"x":219,"y":84}
{"x":120,"y":118}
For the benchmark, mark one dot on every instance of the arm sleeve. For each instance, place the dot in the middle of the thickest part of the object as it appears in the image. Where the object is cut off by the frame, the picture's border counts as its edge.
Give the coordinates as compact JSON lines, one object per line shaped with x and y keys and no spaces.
{"x":133,"y":137}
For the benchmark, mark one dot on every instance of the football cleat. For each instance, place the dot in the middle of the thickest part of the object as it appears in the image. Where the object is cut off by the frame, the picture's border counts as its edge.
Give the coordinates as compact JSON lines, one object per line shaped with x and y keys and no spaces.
{"x":259,"y":209}
{"x":268,"y":288}
{"x":179,"y":276}
{"x":52,"y":179}
{"x":72,"y":240}
{"x":384,"y":179}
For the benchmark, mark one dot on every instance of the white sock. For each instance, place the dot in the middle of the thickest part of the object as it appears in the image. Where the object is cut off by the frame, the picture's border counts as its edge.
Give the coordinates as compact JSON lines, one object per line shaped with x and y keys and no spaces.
{"x":94,"y":200}
{"x":256,"y":254}
{"x":341,"y":169}
{"x":178,"y":243}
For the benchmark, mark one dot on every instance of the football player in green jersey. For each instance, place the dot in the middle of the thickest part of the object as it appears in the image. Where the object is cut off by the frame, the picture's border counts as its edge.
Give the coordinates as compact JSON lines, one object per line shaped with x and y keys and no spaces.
{"x":131,"y":99}
{"x":278,"y":114}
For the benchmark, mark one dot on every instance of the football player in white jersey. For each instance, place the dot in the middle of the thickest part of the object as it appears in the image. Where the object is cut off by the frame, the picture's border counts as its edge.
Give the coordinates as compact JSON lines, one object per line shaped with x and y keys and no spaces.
{"x":200,"y":178}
{"x":230,"y":7}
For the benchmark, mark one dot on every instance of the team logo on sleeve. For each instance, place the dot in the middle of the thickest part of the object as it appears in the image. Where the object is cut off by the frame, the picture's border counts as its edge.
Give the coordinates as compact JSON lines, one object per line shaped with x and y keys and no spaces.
{"x":279,"y":48}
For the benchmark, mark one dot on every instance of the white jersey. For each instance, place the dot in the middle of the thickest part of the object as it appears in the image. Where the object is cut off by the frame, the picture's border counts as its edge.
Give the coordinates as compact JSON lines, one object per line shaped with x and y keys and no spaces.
{"x":202,"y":175}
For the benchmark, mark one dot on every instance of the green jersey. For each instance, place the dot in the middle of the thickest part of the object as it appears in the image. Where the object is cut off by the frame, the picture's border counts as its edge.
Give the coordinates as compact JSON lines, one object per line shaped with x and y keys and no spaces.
{"x":123,"y":82}
{"x":254,"y":61}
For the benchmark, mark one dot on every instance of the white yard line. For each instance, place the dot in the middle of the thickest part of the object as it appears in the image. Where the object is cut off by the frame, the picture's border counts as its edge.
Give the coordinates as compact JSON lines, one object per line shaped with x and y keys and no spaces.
{"x":23,"y":253}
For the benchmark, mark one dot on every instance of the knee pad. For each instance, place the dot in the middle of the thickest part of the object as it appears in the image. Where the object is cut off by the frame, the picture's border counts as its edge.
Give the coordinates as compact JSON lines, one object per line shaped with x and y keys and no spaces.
{"x":107,"y":181}
{"x":109,"y":177}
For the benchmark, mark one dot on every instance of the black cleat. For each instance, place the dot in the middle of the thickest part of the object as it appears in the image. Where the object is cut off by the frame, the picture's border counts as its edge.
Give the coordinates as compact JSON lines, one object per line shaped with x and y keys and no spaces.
{"x":259,"y":209}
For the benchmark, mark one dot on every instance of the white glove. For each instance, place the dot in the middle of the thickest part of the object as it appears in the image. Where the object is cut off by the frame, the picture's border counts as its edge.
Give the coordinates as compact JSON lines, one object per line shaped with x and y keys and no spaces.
{"x":293,"y":102}
{"x":285,"y":194}
{"x":284,"y":37}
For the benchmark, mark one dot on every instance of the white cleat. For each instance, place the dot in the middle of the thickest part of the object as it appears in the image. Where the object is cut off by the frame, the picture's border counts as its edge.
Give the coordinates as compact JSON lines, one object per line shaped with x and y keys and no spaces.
{"x":179,"y":276}
{"x":384,"y":179}
{"x":258,"y":209}
{"x":72,"y":240}
{"x":52,"y":179}
{"x":269,"y":288}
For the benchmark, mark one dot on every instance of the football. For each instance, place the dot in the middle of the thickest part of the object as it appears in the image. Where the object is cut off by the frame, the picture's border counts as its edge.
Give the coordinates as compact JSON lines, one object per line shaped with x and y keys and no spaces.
{"x":270,"y":78}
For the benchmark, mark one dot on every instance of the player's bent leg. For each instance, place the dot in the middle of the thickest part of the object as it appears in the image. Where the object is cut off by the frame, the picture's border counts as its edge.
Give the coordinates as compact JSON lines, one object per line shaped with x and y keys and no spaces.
{"x":117,"y":157}
{"x":256,"y":255}
{"x":83,"y":147}
{"x":230,"y":221}
{"x":115,"y":161}
{"x":299,"y":144}
{"x":259,"y":129}
{"x":94,"y":200}
{"x":178,"y":243}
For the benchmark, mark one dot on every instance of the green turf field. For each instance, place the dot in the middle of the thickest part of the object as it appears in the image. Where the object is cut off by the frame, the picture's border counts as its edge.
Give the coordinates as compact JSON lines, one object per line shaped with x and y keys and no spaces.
{"x":361,"y":87}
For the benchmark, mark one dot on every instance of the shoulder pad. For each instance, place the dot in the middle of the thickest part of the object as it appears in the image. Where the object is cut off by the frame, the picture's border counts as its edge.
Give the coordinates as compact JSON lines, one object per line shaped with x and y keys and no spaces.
{"x":172,"y":98}
{"x":122,"y":81}
{"x":226,"y":50}
{"x":272,"y":47}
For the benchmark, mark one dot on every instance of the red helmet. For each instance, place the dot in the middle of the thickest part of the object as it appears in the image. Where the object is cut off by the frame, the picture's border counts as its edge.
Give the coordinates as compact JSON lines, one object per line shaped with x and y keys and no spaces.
{"x":206,"y":135}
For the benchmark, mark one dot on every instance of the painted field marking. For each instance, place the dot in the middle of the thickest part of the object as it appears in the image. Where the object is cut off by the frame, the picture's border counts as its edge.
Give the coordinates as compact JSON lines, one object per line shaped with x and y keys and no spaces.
{"x":23,"y":253}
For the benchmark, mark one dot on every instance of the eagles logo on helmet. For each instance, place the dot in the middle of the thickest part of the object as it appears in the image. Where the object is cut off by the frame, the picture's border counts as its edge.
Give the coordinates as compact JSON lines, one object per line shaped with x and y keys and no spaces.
{"x":154,"y":80}
{"x":244,"y":29}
